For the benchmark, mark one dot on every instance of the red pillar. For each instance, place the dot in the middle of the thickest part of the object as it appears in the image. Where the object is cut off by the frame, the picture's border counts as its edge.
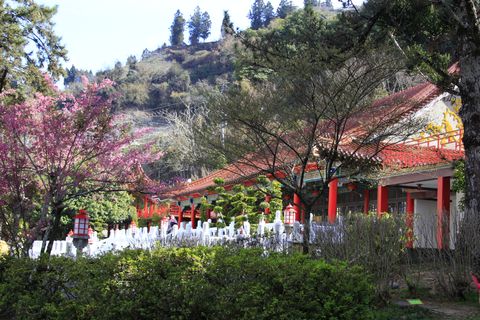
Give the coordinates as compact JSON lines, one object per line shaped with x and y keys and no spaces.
{"x":296,"y":205}
{"x":332,"y":200}
{"x":382,"y":199}
{"x":145,"y":205}
{"x":192,"y":215}
{"x":410,"y":210}
{"x":180,"y":214}
{"x":443,"y":212}
{"x":366,"y":201}
{"x":267,"y":199}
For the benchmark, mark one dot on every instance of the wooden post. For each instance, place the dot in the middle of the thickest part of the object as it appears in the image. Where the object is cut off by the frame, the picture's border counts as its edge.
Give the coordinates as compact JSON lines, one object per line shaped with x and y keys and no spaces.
{"x":332,"y":200}
{"x":443,"y":212}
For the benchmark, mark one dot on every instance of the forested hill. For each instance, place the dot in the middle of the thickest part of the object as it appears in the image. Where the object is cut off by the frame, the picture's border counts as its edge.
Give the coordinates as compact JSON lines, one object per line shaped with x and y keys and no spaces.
{"x":166,"y":78}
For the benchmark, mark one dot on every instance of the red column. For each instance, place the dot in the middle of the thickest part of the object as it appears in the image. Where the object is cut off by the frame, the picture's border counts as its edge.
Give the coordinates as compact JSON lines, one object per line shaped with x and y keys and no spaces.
{"x":267,"y":199}
{"x":410,"y":210}
{"x":145,"y":206}
{"x":366,"y":201}
{"x":382,"y":199}
{"x":180,"y":215}
{"x":332,"y":200}
{"x":443,"y":212}
{"x":208,"y":213}
{"x":192,"y":215}
{"x":296,"y":205}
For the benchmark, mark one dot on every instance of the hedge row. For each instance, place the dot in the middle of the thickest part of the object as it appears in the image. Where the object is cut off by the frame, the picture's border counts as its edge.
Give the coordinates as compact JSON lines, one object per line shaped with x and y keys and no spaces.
{"x":184,"y":283}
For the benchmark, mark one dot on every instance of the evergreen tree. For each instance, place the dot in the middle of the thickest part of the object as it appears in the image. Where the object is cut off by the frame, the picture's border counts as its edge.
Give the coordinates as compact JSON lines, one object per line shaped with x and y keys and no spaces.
{"x":177,"y":29}
{"x":71,"y":75}
{"x":227,"y":25}
{"x":29,"y":46}
{"x":268,"y":14}
{"x":199,"y":25}
{"x":310,"y":3}
{"x":205,"y":26}
{"x":194,"y":26}
{"x":256,"y":15}
{"x":285,"y":7}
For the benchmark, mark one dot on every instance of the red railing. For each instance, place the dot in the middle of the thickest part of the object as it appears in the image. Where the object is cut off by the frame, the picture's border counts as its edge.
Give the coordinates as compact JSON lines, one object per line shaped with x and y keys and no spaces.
{"x":448,"y":140}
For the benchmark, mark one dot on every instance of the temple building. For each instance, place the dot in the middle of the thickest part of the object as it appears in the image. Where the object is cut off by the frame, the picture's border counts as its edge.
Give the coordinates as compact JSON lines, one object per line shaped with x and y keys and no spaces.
{"x":414,"y":178}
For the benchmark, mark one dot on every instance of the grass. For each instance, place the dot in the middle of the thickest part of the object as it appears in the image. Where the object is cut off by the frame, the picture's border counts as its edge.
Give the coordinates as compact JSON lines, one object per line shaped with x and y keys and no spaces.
{"x":392,"y":312}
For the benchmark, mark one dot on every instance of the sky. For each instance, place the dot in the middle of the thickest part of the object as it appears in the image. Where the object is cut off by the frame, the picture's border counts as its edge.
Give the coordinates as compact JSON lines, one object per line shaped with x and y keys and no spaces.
{"x":98,"y":33}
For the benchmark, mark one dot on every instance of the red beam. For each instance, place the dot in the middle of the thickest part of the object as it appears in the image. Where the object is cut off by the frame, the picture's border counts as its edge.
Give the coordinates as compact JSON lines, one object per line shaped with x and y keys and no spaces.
{"x":332,"y":200}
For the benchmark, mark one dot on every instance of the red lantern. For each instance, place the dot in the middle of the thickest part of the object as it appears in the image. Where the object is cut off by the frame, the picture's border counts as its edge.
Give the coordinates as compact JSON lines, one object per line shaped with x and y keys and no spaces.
{"x":351,"y":186}
{"x":80,"y":226}
{"x":289,"y":214}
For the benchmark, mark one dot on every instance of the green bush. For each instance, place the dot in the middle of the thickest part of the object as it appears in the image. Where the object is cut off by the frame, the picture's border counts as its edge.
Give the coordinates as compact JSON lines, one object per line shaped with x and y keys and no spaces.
{"x":184,"y":283}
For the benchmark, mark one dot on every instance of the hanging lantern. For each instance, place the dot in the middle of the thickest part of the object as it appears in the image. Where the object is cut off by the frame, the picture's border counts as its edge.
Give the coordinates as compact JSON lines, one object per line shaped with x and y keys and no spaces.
{"x":351,"y":186}
{"x":81,"y":224}
{"x":289,"y":214}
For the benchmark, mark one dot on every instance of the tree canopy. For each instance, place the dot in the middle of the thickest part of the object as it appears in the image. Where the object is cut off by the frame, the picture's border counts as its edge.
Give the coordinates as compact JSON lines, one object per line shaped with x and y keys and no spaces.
{"x":298,"y":98}
{"x":261,"y":14}
{"x":25,"y":25}
{"x":199,"y":26}
{"x":56,"y":149}
{"x":177,"y":29}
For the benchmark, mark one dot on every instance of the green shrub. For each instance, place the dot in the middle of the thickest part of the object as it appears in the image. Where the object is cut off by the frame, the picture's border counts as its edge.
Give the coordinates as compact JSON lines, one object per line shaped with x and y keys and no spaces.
{"x":185,"y":283}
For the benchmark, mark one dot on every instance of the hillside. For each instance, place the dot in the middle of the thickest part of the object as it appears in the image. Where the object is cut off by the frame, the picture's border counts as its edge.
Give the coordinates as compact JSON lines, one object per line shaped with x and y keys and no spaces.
{"x":165,"y":79}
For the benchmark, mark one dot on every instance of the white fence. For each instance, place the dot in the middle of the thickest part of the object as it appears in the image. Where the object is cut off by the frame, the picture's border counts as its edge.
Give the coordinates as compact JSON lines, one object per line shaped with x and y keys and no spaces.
{"x":275,"y":235}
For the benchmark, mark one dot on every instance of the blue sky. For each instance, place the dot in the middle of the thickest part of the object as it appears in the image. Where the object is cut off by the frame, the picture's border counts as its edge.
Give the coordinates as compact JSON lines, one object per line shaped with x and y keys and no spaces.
{"x":97,"y":33}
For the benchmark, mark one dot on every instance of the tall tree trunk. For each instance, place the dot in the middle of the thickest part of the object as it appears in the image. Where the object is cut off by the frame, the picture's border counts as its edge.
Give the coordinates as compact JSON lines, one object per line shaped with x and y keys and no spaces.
{"x":57,"y":214}
{"x":470,"y":114}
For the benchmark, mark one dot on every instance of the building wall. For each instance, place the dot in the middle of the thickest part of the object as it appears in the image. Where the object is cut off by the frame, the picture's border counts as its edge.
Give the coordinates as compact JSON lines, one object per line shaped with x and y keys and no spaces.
{"x":425,"y":223}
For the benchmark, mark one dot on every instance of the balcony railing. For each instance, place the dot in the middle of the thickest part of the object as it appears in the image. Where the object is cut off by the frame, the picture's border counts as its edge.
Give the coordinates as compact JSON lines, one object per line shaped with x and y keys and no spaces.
{"x":451,"y":140}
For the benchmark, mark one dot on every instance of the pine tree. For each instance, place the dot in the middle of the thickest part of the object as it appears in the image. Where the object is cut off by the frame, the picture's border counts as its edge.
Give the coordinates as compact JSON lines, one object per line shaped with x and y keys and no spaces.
{"x":194,"y":26}
{"x":177,"y":29}
{"x":310,"y":3}
{"x":227,"y":25}
{"x":71,"y":75}
{"x":205,"y":26}
{"x":268,"y":14}
{"x":256,"y":15}
{"x":285,"y":7}
{"x":199,"y":26}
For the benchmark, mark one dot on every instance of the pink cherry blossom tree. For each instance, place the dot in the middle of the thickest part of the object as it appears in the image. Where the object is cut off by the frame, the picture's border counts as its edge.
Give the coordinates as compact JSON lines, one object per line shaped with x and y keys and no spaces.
{"x":61,"y":147}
